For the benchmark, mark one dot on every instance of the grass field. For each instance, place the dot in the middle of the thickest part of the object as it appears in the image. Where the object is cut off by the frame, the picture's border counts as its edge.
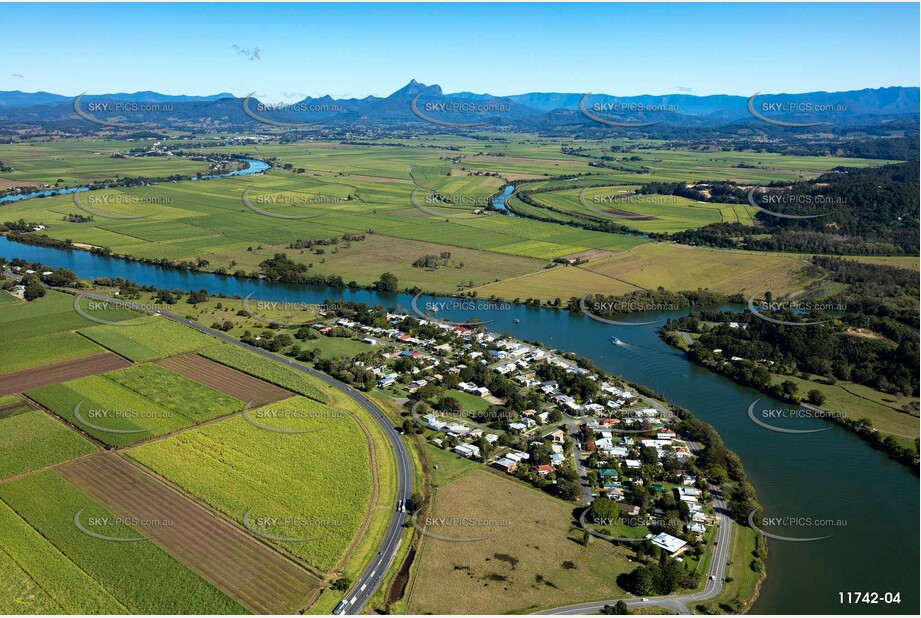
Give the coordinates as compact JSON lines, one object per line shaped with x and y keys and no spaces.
{"x":30,"y":439}
{"x":318,"y":485}
{"x":532,"y":561}
{"x":367,"y":189}
{"x":39,"y":579}
{"x":28,"y":352}
{"x":674,"y":267}
{"x":79,"y":161}
{"x":645,"y":213}
{"x":52,"y":313}
{"x":269,"y":371}
{"x":148,"y":340}
{"x":135,"y":403}
{"x":858,"y":401}
{"x":139,"y":575}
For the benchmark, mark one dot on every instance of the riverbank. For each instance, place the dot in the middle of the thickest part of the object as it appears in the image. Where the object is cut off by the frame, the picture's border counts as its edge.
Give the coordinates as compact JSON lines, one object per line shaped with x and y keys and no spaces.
{"x":792,"y":476}
{"x":861,"y":427}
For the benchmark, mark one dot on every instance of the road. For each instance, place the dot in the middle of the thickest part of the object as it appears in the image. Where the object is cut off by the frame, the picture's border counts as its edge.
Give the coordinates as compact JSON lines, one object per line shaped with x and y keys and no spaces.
{"x":678,"y":603}
{"x":370,"y":580}
{"x":572,"y":425}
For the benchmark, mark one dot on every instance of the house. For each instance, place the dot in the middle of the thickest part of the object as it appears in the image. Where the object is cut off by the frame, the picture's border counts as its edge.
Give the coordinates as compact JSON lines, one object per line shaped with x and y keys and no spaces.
{"x":518,"y":456}
{"x":369,"y":341}
{"x":669,"y":543}
{"x":697,"y":528}
{"x":507,"y":465}
{"x":633,"y":463}
{"x":556,"y":436}
{"x":517,"y":426}
{"x":544,"y":469}
{"x":687,"y":494}
{"x":630,"y":510}
{"x":467,"y":450}
{"x":556,"y":459}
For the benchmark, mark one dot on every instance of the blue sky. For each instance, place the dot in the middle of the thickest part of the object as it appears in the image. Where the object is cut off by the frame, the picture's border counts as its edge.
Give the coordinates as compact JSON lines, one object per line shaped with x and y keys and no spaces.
{"x":362,"y":49}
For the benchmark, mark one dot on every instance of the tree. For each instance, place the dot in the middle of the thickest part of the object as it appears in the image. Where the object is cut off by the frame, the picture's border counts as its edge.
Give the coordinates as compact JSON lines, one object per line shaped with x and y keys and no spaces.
{"x":815,"y":397}
{"x":415,"y":502}
{"x":34,"y":290}
{"x":387,"y":283}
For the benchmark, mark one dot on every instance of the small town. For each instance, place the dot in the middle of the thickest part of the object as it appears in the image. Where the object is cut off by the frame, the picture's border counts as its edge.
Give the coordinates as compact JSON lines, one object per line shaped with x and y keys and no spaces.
{"x":542,"y":416}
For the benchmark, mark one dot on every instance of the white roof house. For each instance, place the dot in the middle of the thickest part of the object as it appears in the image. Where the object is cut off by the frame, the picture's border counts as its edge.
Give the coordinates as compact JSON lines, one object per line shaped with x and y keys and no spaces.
{"x":667,"y":542}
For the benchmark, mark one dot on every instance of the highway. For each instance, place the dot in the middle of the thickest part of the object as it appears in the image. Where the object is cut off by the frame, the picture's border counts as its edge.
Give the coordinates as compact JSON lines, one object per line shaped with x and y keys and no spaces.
{"x":371,"y":579}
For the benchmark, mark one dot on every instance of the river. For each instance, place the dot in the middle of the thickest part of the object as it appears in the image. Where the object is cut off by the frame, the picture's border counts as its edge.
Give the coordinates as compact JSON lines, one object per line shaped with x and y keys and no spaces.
{"x":830,"y":475}
{"x":255,"y":167}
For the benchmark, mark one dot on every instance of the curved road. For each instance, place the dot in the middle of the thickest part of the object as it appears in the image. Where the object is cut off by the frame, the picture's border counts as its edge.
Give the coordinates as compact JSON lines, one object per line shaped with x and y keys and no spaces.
{"x":678,"y":603}
{"x":370,"y":580}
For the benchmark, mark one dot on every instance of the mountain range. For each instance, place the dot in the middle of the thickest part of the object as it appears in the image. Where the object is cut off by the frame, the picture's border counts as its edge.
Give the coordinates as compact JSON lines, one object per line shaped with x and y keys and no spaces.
{"x":529,"y":111}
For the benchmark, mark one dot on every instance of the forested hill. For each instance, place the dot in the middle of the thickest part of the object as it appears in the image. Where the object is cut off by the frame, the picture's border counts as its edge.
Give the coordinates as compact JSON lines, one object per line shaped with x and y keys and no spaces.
{"x":860,"y":211}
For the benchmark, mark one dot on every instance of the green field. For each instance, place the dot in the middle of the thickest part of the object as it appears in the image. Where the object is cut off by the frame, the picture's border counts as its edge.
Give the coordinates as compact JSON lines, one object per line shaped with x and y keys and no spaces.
{"x":39,"y":579}
{"x":269,"y":371}
{"x":139,"y":575}
{"x":146,"y":340}
{"x":30,"y":439}
{"x":322,"y":478}
{"x":28,"y":352}
{"x":133,"y":404}
{"x":857,"y":401}
{"x":367,"y":189}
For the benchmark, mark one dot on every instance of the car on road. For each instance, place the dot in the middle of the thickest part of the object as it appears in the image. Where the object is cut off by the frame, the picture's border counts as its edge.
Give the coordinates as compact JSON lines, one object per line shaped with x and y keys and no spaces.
{"x":712,"y":578}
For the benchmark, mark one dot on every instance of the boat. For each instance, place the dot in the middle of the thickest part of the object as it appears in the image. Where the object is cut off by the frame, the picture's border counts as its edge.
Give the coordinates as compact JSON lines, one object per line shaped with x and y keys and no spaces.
{"x":616,"y":341}
{"x":517,"y":321}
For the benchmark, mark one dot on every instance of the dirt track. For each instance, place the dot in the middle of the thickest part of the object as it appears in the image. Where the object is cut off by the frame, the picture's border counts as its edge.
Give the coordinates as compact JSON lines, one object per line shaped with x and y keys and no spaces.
{"x":21,"y":381}
{"x":245,"y":569}
{"x":226,"y":379}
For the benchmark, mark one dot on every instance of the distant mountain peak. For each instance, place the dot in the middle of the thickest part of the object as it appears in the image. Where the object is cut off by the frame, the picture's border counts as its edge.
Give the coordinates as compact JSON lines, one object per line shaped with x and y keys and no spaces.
{"x":413,"y":88}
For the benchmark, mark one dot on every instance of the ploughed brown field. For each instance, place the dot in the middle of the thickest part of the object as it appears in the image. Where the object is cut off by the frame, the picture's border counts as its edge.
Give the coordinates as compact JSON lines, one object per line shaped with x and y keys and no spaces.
{"x":27,"y":379}
{"x":247,"y":570}
{"x":226,"y":379}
